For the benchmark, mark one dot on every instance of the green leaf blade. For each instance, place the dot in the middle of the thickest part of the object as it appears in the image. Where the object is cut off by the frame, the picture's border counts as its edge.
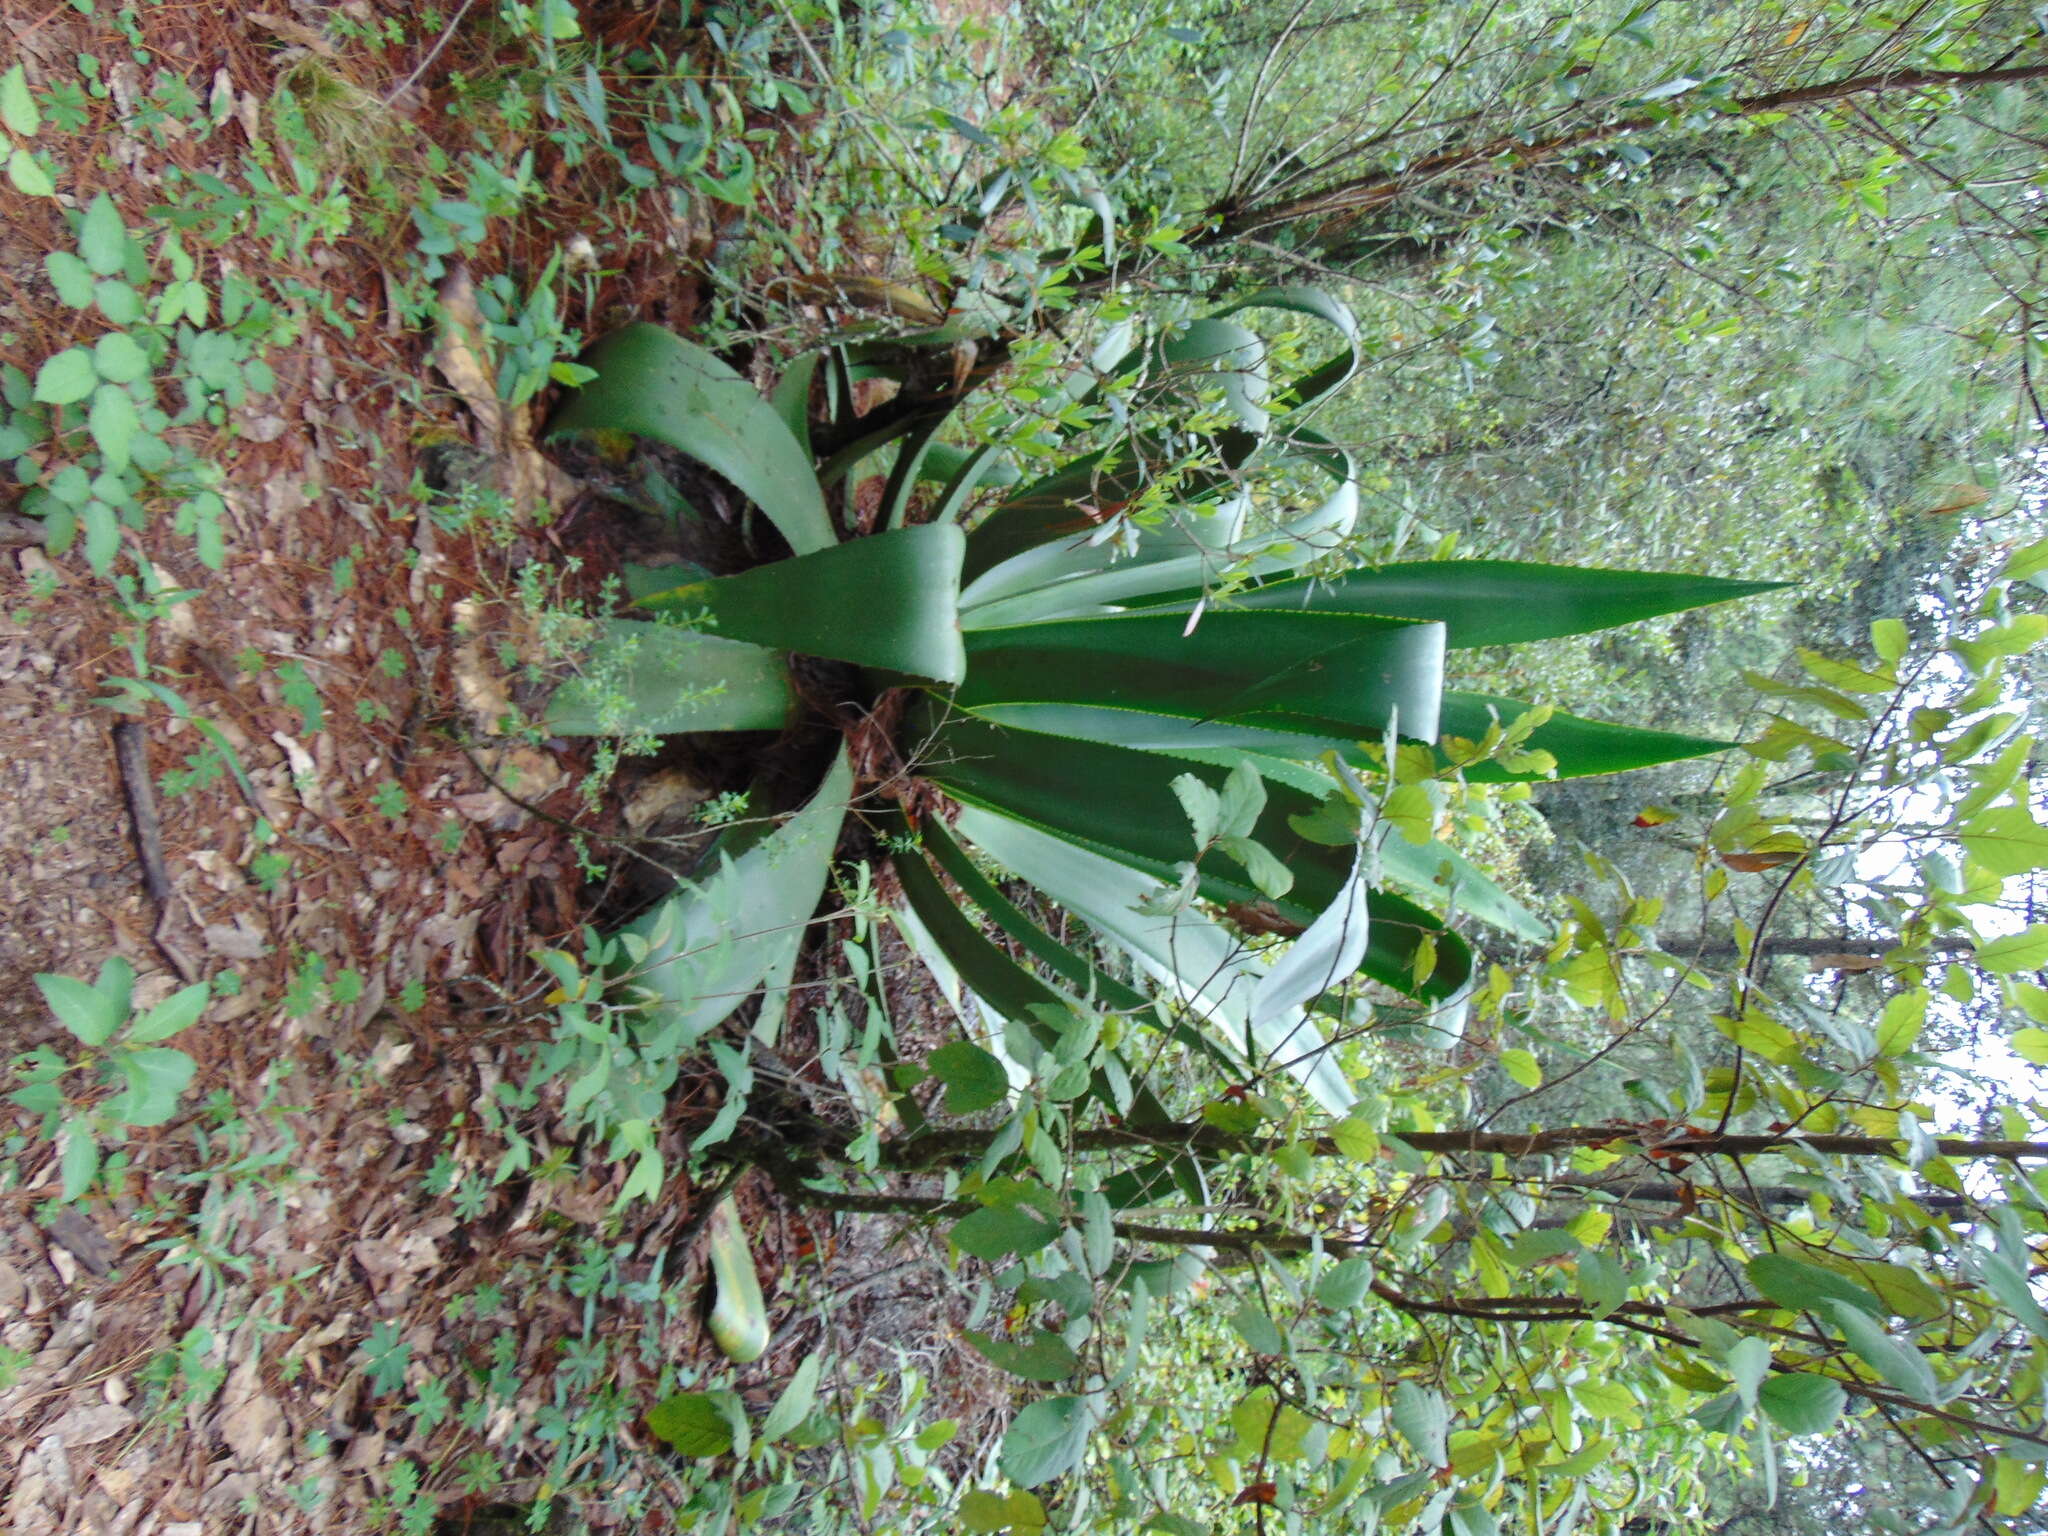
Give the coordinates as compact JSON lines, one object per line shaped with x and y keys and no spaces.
{"x":657,"y":385}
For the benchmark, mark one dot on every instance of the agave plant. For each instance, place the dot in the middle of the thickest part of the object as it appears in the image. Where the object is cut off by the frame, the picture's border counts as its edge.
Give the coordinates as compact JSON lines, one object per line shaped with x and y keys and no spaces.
{"x":1091,"y":718}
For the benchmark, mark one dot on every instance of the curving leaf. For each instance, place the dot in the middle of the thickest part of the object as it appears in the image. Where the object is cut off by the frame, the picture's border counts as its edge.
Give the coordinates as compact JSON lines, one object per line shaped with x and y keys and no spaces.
{"x":1245,"y":668}
{"x":713,"y":943}
{"x":1120,"y":804}
{"x":1502,"y":602}
{"x":1329,"y":950}
{"x":1204,"y":969}
{"x":884,"y":602}
{"x":666,"y":679}
{"x":1213,"y":350}
{"x":654,"y":384}
{"x":1064,"y":572}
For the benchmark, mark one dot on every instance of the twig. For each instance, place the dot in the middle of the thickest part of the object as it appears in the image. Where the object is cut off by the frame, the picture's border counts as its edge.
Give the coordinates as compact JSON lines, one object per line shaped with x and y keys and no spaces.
{"x":131,"y":755}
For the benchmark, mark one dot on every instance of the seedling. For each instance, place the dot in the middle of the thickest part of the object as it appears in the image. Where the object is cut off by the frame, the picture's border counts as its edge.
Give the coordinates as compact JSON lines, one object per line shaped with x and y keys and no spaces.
{"x":120,"y":1049}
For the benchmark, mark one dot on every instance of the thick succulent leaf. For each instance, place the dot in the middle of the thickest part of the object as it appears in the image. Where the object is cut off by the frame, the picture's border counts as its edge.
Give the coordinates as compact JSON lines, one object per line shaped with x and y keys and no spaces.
{"x":1581,"y":746}
{"x":1202,"y":967}
{"x":653,"y":384}
{"x":885,"y":601}
{"x":1210,"y":352}
{"x":714,"y":941}
{"x":1011,"y":989}
{"x":1007,"y":986}
{"x":904,"y":474}
{"x":664,"y":679}
{"x":1502,"y":602}
{"x":1121,"y":804}
{"x":1324,"y":954}
{"x":1049,"y":508}
{"x":1068,"y":578}
{"x":918,"y":425}
{"x":1433,"y":872}
{"x":1322,"y":305}
{"x":1242,"y":667}
{"x":1300,"y":299}
{"x":1085,"y":977}
{"x":961,"y":472}
{"x":791,"y":397}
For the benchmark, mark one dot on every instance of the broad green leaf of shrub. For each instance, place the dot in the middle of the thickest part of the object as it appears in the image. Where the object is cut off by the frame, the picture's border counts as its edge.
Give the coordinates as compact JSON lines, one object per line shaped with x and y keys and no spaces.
{"x":1602,"y":1283}
{"x":1801,"y":1403}
{"x":66,"y":378}
{"x":1898,"y":1365}
{"x":174,"y":1014}
{"x":996,"y":1232}
{"x":1046,"y":1440}
{"x":17,"y":106}
{"x":102,"y":238}
{"x":796,"y":1401}
{"x":1424,"y":1420}
{"x":1038,"y":1356}
{"x":1258,"y":1330}
{"x":982,"y":1510}
{"x":2005,"y":840}
{"x":692,"y":1423}
{"x":974,"y":1079}
{"x":79,"y":1162}
{"x":1346,"y":1284}
{"x":90,"y":1013}
{"x":2023,"y":951}
{"x":1798,"y":1286}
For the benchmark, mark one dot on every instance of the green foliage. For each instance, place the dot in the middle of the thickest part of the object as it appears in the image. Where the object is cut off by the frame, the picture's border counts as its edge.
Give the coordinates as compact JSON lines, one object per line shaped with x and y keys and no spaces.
{"x":1046,"y":702}
{"x":89,"y":436}
{"x":120,"y":1049}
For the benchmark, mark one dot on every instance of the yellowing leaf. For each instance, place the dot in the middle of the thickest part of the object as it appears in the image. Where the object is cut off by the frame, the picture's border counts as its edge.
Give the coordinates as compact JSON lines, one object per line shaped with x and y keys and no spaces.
{"x":1840,"y":674}
{"x":1591,"y":1227}
{"x":2032,"y":1045}
{"x":1410,"y":809}
{"x":1959,"y":498}
{"x":1760,"y":1033}
{"x":1522,"y":1066}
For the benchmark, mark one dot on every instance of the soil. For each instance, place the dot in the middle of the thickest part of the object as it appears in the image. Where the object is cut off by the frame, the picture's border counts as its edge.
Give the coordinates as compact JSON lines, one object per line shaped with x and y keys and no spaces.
{"x":366,"y":903}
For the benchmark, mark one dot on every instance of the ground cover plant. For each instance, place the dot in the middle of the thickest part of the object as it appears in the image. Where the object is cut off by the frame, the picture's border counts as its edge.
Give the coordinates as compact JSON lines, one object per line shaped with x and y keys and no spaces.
{"x":789,"y":766}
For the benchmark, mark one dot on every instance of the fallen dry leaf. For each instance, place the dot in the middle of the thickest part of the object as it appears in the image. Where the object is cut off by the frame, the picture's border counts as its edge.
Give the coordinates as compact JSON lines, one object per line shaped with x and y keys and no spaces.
{"x":91,"y":1424}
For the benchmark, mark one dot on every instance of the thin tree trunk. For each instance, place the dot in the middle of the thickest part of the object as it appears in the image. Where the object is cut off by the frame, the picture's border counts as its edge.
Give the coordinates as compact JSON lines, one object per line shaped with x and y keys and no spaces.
{"x":938,"y":1149}
{"x":1507,"y":152}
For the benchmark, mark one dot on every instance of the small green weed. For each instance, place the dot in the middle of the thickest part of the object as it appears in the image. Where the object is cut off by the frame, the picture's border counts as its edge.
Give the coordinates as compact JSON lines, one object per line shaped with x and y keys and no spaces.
{"x":120,"y":1049}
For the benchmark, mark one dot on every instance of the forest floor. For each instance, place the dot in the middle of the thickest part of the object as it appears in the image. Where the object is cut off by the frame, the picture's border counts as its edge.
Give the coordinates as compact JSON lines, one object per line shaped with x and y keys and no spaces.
{"x":308,"y":1301}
